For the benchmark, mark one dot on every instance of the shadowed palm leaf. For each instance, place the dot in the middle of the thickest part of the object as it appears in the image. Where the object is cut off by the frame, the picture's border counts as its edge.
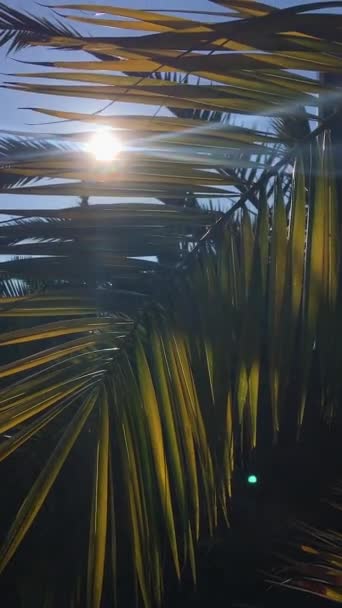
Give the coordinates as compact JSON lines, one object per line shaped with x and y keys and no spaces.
{"x":313,"y":561}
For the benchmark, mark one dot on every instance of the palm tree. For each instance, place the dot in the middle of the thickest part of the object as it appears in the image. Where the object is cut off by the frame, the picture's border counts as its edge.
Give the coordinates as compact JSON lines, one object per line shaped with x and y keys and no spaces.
{"x":157,"y":350}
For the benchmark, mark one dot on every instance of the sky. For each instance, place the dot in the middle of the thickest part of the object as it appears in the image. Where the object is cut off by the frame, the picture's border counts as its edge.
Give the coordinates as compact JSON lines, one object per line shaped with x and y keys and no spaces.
{"x":14,"y":118}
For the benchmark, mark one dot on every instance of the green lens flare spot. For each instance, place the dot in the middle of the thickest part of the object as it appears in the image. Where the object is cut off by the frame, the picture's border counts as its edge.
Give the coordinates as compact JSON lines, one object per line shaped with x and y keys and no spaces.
{"x":252,"y":479}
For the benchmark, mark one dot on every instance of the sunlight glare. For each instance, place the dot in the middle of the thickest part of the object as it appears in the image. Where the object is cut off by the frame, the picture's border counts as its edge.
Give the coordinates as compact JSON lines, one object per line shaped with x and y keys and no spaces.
{"x":105,"y":146}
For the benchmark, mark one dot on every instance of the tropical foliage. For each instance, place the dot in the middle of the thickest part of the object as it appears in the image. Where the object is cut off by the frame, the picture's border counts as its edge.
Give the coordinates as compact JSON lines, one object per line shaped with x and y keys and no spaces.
{"x":314,"y":564}
{"x":153,"y":344}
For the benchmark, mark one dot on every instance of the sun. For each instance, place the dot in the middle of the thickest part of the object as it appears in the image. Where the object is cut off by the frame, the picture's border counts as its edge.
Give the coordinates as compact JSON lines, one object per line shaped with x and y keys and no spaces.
{"x":104,"y":145}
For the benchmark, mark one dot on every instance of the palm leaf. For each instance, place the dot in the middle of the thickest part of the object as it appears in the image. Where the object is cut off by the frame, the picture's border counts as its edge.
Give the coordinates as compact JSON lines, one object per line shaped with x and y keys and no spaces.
{"x":41,"y":487}
{"x":313,"y":561}
{"x":98,"y":525}
{"x":194,"y":363}
{"x":19,"y":30}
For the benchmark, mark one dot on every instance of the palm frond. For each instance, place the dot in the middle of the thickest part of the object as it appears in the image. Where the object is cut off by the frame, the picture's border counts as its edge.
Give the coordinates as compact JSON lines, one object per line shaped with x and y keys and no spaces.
{"x":313,"y":562}
{"x":13,"y":288}
{"x":181,"y":50}
{"x":101,"y":243}
{"x":19,"y":149}
{"x":188,"y":371}
{"x":18,"y":30}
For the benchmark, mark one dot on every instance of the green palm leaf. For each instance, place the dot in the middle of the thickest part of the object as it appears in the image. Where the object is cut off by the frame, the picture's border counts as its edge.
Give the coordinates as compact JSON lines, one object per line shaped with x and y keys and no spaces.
{"x":41,"y":487}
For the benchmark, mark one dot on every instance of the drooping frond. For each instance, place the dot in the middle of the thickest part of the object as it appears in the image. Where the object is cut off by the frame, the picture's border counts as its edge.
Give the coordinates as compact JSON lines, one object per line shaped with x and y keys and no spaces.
{"x":222,"y":54}
{"x":313,"y":562}
{"x":102,"y":242}
{"x":154,"y":163}
{"x":13,"y":288}
{"x":17,"y":150}
{"x":18,"y":30}
{"x":188,"y":370}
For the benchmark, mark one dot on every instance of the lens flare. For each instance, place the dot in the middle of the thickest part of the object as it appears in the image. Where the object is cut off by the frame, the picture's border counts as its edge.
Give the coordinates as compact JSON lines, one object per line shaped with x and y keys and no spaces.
{"x":104,"y":146}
